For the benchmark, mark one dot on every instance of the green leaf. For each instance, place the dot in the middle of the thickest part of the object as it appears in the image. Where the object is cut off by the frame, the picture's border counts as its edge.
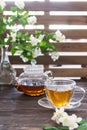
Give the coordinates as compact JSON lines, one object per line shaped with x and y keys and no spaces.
{"x":82,"y":122}
{"x":55,"y":128}
{"x":2,"y":26}
{"x":22,"y":21}
{"x":50,"y":128}
{"x":13,"y":50}
{"x":42,"y":44}
{"x":13,"y":17}
{"x":82,"y":127}
{"x":14,"y":9}
{"x":2,"y":43}
{"x":26,"y":14}
{"x":19,"y":35}
{"x":37,"y":32}
{"x":1,"y":10}
{"x":63,"y":127}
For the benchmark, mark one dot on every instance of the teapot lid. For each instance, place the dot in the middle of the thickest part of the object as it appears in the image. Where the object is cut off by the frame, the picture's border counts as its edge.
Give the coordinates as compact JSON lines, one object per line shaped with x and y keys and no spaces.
{"x":34,"y":69}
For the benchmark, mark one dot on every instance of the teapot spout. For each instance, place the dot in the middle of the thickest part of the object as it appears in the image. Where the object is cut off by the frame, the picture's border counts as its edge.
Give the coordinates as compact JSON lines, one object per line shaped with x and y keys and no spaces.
{"x":48,"y":74}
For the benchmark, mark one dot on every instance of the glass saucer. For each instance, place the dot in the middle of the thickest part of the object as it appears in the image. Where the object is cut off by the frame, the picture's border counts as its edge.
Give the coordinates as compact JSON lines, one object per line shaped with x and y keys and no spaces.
{"x":45,"y":103}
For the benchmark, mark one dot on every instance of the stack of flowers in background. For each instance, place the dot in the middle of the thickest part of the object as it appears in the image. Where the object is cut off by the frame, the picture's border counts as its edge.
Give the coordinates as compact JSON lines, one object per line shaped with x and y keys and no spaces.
{"x":29,"y":46}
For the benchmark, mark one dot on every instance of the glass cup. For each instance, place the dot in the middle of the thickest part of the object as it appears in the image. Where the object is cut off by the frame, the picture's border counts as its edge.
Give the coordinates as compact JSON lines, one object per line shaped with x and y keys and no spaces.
{"x":62,"y":91}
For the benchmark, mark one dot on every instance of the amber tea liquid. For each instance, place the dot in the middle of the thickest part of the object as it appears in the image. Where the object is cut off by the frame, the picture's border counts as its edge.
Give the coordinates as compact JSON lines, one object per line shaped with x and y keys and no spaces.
{"x":31,"y":90}
{"x":59,"y":98}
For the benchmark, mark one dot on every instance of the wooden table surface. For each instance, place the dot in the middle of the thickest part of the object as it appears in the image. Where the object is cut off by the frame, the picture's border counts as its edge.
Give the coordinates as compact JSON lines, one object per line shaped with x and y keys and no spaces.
{"x":22,"y":112}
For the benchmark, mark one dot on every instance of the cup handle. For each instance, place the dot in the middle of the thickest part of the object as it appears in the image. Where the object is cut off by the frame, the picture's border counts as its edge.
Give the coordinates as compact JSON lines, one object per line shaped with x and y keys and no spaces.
{"x":77,"y":96}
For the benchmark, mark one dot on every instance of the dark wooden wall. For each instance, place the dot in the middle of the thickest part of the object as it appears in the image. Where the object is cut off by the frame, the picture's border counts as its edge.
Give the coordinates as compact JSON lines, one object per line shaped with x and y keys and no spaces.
{"x":68,"y":56}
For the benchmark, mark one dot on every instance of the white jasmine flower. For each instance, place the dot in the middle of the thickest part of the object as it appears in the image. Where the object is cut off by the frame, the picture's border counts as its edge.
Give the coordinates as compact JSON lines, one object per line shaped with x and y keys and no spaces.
{"x":41,"y":37}
{"x":19,"y":4}
{"x":4,"y":20}
{"x":6,"y":39}
{"x":2,"y":4}
{"x":24,"y":58}
{"x":78,"y":119}
{"x":13,"y":35}
{"x":32,"y":20}
{"x":15,"y":28}
{"x":9,"y":19}
{"x":8,"y":35}
{"x":54,"y":55}
{"x":34,"y":40}
{"x":59,"y":36}
{"x":37,"y":52}
{"x":69,"y":121}
{"x":63,"y":118}
{"x":59,"y":113}
{"x":18,"y":52}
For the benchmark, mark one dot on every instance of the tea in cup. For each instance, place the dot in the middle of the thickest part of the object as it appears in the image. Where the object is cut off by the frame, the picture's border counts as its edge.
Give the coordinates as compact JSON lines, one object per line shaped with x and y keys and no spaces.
{"x":59,"y":92}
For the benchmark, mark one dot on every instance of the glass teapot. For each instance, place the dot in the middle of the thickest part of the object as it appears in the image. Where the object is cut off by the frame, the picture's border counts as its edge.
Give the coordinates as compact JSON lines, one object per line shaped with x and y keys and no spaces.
{"x":31,"y":81}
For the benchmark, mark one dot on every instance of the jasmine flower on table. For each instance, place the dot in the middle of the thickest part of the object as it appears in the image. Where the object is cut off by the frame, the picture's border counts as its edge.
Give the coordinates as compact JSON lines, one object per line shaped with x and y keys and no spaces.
{"x":57,"y":114}
{"x":70,"y":121}
{"x":61,"y":117}
{"x":66,"y":121}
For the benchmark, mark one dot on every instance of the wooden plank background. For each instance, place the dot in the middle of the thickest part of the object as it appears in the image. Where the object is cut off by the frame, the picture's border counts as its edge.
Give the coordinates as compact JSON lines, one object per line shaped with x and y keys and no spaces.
{"x":74,"y":50}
